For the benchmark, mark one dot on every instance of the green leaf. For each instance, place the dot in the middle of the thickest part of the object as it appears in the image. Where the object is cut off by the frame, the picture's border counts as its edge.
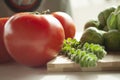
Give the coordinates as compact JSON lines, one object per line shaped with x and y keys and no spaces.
{"x":86,"y":54}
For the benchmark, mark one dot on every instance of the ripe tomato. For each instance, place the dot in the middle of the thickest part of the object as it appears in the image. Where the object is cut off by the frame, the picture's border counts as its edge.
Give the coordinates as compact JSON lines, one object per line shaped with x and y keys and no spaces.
{"x":4,"y":55}
{"x":67,"y":23}
{"x":32,"y":39}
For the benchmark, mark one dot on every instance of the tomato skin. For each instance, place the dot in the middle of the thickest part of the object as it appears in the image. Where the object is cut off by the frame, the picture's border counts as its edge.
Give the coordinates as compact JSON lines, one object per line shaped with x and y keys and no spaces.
{"x":67,"y":23}
{"x":4,"y":55}
{"x":33,"y":40}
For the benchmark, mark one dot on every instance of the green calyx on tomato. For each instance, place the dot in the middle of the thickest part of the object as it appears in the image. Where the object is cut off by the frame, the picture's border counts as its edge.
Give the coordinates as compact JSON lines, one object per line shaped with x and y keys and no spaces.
{"x":41,"y":13}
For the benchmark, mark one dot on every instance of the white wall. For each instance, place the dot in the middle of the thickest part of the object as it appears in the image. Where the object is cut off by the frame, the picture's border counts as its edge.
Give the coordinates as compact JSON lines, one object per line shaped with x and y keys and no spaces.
{"x":84,"y":10}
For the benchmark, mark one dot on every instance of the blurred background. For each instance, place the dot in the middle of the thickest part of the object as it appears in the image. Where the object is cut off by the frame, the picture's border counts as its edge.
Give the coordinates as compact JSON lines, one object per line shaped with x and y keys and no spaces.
{"x":9,"y":7}
{"x":81,"y":10}
{"x":85,"y":10}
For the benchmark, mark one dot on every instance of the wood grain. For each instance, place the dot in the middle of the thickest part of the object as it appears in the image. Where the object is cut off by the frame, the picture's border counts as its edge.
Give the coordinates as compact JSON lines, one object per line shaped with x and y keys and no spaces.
{"x":61,"y":63}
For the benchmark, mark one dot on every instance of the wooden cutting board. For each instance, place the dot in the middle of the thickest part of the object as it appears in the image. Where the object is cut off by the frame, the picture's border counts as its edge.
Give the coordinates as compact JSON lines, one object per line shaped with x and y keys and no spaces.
{"x":61,"y":63}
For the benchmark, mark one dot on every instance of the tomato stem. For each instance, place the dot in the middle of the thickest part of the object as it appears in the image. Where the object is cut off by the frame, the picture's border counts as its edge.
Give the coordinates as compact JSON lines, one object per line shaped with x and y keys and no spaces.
{"x":45,"y":12}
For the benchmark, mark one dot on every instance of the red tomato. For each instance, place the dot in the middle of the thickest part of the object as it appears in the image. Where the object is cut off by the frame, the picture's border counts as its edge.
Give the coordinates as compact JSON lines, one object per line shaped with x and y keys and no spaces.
{"x":67,"y":23}
{"x":4,"y":55}
{"x":33,"y":40}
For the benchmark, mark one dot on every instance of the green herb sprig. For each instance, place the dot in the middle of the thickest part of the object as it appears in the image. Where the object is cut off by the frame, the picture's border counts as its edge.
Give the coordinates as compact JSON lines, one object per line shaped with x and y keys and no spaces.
{"x":87,"y":55}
